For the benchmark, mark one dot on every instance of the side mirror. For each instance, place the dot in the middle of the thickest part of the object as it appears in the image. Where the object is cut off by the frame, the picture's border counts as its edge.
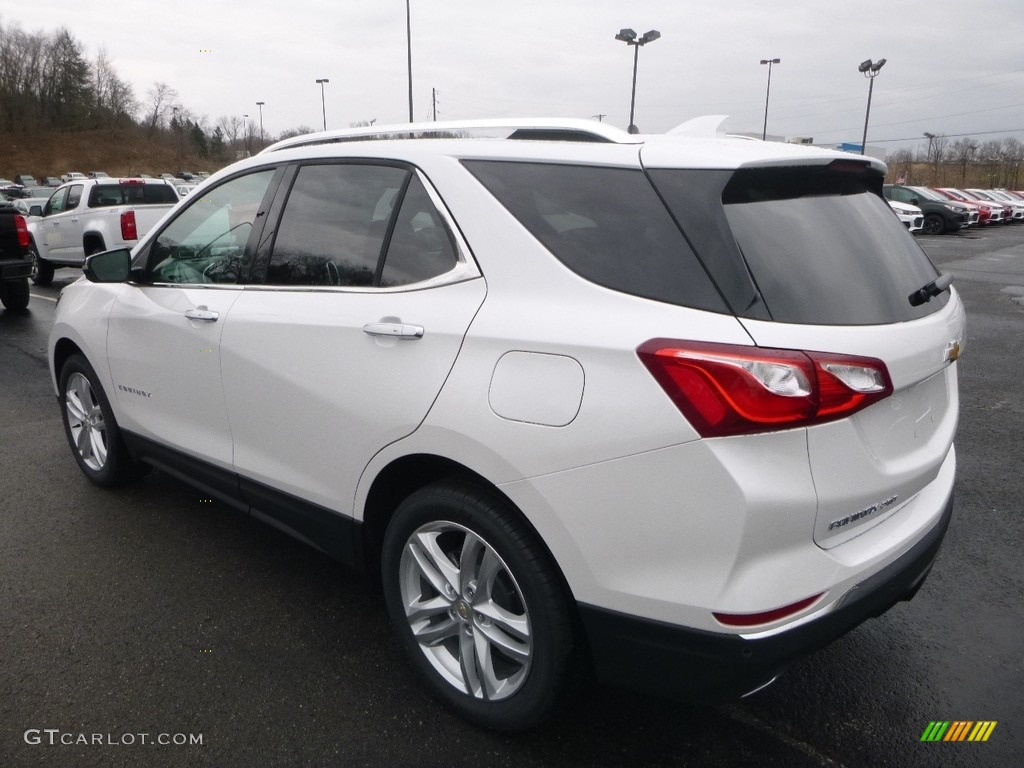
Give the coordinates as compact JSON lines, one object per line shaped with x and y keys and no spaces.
{"x":109,"y":266}
{"x":35,"y":210}
{"x":915,"y":201}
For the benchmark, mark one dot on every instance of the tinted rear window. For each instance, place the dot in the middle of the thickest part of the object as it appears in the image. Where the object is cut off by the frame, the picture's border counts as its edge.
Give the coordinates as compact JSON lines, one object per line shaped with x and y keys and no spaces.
{"x":607,"y":225}
{"x":105,"y":195}
{"x":820,"y":245}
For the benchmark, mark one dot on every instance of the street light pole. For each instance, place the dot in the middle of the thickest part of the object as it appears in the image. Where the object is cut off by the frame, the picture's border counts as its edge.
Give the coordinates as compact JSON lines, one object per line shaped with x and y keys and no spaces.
{"x":260,"y":105}
{"x":628,"y":36}
{"x":323,"y":103}
{"x":769,"y":62}
{"x":408,"y":41}
{"x":870,"y":70}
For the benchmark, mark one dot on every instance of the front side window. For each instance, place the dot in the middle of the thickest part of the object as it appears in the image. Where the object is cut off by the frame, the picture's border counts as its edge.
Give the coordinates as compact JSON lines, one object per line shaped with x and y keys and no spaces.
{"x":74,"y":196}
{"x":57,"y":202}
{"x":206,"y":242}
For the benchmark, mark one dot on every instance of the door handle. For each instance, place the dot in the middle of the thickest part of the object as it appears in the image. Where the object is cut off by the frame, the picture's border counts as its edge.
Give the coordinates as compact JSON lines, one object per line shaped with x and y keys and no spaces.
{"x":394,"y":330}
{"x":201,"y":313}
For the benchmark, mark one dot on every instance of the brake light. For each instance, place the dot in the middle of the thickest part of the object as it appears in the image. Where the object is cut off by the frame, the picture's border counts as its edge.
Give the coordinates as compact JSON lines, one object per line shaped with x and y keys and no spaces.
{"x":21,"y":227}
{"x":128,"y":228}
{"x":725,"y":389}
{"x":131,"y":182}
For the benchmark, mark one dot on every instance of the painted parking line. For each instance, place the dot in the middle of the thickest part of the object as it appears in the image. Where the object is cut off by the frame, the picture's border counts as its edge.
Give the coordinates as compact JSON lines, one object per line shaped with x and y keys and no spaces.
{"x":44,"y":298}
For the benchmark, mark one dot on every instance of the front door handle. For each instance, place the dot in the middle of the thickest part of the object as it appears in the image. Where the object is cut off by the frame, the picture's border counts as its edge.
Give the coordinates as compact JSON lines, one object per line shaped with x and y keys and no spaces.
{"x":201,"y":313}
{"x":394,"y":330}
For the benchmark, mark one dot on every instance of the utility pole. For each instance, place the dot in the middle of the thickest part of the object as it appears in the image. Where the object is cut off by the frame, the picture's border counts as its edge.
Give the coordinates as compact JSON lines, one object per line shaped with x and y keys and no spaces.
{"x":408,"y":41}
{"x":600,"y":117}
{"x":434,"y":99}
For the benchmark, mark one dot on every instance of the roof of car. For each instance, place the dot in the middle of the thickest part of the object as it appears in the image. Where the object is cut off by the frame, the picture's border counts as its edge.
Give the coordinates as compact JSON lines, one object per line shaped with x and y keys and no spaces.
{"x":567,"y":140}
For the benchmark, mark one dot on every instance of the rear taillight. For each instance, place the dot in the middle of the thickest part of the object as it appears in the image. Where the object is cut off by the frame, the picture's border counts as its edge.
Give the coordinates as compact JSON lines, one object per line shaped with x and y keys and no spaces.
{"x":128,"y":228}
{"x":21,"y":227}
{"x":725,"y":389}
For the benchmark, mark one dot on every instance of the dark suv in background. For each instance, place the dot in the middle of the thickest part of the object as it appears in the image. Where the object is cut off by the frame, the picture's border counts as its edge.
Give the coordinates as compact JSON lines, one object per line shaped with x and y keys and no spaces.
{"x":941,"y":216}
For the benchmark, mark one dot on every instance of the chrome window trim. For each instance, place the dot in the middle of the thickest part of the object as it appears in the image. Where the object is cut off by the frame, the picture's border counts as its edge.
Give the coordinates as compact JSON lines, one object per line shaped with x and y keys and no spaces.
{"x":466,"y":267}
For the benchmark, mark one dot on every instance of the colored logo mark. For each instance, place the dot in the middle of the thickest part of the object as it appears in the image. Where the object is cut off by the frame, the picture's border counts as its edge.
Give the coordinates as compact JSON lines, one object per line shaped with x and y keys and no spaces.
{"x":958,"y":730}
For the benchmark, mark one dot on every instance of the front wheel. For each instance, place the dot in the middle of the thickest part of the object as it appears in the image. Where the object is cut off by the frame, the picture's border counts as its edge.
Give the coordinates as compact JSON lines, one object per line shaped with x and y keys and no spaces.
{"x":90,"y":427}
{"x":42,"y":271}
{"x":933,"y":224}
{"x":480,"y":610}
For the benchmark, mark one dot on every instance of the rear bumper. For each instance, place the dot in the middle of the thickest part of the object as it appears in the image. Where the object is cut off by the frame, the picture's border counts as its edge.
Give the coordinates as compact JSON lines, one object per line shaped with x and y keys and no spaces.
{"x":15,"y":269}
{"x":688,"y":664}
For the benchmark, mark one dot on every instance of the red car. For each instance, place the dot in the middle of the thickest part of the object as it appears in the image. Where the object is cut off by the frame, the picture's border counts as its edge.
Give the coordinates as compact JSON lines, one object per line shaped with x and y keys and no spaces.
{"x":988,"y":212}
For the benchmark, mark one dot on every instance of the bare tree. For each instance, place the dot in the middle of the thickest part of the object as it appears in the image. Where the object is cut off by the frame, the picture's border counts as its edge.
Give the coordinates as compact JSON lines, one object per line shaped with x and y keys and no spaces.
{"x":1012,"y":156}
{"x":900,"y":164}
{"x":962,"y":153}
{"x":160,"y":103}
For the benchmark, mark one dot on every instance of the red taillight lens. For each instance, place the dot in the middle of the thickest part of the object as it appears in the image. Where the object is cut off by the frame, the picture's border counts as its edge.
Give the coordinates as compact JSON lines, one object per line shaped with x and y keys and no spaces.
{"x":21,"y":227}
{"x":725,"y":389}
{"x":128,"y":229}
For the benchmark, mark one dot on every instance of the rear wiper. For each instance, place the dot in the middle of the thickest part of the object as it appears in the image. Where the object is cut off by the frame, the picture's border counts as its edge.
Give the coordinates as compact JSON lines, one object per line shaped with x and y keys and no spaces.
{"x":934,"y":288}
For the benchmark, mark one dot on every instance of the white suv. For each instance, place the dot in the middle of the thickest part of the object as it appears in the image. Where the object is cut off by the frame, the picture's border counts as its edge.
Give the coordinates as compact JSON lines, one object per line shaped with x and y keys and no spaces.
{"x":678,"y":409}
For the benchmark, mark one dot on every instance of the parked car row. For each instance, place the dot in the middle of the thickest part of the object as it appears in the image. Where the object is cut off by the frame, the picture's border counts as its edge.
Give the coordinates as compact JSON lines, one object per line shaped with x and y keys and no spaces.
{"x":947,"y":209}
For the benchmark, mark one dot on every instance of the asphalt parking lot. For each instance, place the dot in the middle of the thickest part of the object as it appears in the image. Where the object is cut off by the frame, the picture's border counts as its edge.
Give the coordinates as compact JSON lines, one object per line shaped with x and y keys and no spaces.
{"x":150,"y":611}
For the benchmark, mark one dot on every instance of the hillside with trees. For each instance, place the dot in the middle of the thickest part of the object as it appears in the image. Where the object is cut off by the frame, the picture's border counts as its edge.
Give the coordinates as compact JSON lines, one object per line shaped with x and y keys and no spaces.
{"x":61,"y":110}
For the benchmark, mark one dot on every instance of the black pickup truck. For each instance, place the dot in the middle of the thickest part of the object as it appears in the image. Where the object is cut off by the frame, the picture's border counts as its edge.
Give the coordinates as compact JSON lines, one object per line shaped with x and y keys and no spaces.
{"x":15,"y":262}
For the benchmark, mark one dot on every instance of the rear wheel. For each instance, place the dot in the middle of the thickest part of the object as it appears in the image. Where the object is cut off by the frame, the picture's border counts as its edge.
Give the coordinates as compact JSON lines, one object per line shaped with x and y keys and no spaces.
{"x":94,"y":245}
{"x":14,"y":294}
{"x":481,"y":611}
{"x":91,"y":429}
{"x":42,"y":271}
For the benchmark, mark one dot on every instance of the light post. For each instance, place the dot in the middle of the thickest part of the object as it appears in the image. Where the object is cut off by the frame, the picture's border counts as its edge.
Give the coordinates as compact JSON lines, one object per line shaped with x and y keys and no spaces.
{"x":260,"y":105}
{"x":769,"y":62}
{"x":628,"y":36}
{"x":323,"y":102}
{"x":408,"y":42}
{"x":870,"y":70}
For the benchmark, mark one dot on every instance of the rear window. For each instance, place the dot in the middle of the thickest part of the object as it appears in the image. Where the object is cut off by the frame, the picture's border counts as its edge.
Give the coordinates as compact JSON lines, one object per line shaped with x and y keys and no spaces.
{"x":106,"y":195}
{"x":606,"y":225}
{"x":820,"y":245}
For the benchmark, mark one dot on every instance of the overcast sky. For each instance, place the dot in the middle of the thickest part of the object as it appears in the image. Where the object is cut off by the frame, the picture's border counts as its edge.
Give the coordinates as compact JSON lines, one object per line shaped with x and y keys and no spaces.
{"x":953,"y":66}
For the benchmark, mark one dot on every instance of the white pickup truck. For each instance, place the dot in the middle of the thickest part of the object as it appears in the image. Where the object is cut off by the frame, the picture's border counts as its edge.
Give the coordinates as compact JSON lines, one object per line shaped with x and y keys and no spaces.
{"x":86,"y":216}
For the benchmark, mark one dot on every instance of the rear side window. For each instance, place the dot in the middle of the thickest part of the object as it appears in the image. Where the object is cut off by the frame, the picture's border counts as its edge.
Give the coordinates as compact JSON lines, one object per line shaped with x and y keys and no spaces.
{"x":820,"y":244}
{"x":341,"y":218}
{"x":606,"y":225}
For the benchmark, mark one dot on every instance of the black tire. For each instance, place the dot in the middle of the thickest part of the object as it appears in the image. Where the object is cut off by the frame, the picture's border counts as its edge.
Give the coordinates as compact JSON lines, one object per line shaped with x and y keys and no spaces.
{"x":523,"y":582}
{"x":42,"y":271}
{"x":14,"y":294}
{"x":91,"y":429}
{"x":934,"y":224}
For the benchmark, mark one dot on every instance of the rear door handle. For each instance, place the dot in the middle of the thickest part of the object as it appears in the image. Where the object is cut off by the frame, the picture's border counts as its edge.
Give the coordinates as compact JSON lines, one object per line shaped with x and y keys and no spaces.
{"x":206,"y":315}
{"x":396,"y":330}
